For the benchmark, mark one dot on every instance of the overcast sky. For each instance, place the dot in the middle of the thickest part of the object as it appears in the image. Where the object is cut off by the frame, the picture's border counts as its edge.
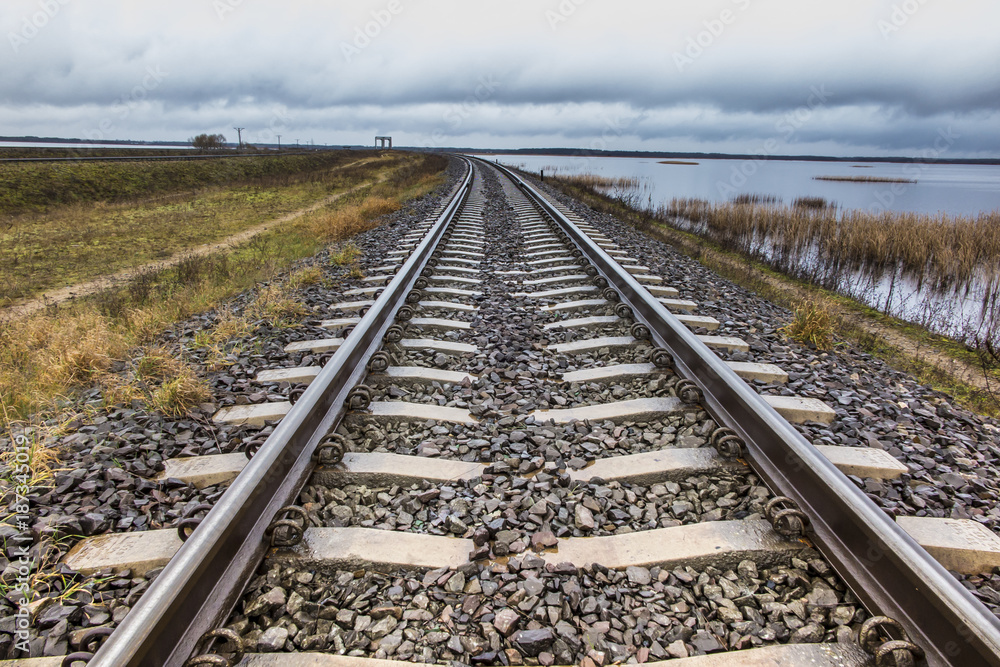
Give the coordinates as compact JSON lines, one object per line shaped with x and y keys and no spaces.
{"x":839,"y":77}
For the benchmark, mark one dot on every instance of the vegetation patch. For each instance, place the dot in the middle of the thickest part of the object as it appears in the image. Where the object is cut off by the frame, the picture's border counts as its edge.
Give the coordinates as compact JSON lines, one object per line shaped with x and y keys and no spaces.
{"x":606,"y":182}
{"x":32,"y":463}
{"x":943,"y":257}
{"x":160,"y":380}
{"x":756,"y":199}
{"x":864,"y":179}
{"x":42,"y":186}
{"x":812,"y":325}
{"x":971,"y":375}
{"x":47,"y":357}
{"x":71,"y":244}
{"x":812,"y":202}
{"x":347,"y":254}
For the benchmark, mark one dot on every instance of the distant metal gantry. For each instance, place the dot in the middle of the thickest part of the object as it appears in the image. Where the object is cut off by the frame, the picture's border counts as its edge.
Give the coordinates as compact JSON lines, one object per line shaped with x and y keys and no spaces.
{"x":381,"y":141}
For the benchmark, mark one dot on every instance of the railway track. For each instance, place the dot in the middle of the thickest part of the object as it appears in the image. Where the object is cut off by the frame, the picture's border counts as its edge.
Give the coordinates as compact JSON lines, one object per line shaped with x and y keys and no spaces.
{"x":526,"y":449}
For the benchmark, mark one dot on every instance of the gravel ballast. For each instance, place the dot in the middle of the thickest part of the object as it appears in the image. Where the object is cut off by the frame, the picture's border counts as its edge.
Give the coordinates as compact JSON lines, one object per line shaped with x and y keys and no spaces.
{"x":496,"y":616}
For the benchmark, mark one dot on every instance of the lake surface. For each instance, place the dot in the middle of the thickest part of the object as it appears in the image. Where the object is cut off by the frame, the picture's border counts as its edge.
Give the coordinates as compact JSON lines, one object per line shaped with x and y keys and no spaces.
{"x":940,"y":188}
{"x":948,"y":188}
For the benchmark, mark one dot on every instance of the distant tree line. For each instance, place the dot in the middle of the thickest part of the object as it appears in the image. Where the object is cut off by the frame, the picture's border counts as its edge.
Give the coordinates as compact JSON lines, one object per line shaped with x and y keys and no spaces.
{"x":209,"y":141}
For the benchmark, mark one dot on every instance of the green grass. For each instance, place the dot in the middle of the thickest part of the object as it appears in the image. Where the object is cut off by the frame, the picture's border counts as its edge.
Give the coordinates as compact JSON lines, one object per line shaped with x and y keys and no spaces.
{"x":35,"y":187}
{"x":72,"y":244}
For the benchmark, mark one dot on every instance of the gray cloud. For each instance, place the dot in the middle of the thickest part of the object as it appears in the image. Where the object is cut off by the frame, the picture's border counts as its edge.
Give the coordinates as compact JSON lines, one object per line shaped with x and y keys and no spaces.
{"x":709,"y":75}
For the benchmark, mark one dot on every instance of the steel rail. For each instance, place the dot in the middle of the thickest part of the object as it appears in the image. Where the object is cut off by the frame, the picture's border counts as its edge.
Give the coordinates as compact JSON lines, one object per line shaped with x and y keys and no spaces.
{"x":204,"y":580}
{"x":884,"y":567}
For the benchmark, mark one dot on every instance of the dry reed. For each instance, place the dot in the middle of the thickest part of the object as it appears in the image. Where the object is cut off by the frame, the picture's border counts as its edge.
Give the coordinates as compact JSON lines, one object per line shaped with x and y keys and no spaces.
{"x":939,"y":251}
{"x":604,"y":182}
{"x":864,"y":179}
{"x":812,"y":324}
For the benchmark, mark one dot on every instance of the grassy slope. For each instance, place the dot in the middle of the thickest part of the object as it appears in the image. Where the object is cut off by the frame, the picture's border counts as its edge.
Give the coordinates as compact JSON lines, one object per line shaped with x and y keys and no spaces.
{"x":45,"y":358}
{"x":69,"y":244}
{"x":34,"y":187}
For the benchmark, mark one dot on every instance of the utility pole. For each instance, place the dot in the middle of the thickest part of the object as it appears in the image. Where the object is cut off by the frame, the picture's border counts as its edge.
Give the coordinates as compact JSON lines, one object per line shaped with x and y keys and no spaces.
{"x":239,"y":132}
{"x":279,"y":143}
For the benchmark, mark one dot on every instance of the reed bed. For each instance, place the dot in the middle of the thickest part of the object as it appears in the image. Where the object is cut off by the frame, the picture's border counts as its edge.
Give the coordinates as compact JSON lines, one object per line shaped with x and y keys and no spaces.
{"x":864,"y":179}
{"x":940,"y":271}
{"x":812,"y":202}
{"x":812,"y":239}
{"x":595,"y":181}
{"x":754,"y":198}
{"x":943,"y":252}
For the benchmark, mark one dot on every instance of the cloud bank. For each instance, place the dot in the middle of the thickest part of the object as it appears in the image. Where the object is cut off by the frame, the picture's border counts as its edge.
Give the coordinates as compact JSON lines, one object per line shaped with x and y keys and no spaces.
{"x":848,"y":78}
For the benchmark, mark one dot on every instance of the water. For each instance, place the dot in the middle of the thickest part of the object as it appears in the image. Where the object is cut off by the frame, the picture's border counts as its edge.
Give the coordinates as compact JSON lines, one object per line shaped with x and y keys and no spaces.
{"x":949,"y":188}
{"x":940,"y":188}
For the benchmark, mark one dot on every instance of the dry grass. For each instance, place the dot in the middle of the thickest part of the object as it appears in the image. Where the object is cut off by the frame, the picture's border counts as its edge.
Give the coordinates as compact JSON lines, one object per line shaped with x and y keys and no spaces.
{"x":595,"y":181}
{"x":32,"y":463}
{"x":695,"y":210}
{"x":222,"y":341}
{"x":276,"y":304}
{"x":46,"y":358}
{"x":754,"y":198}
{"x":812,"y":202}
{"x":158,"y":378}
{"x":813,"y":242}
{"x":864,"y":179}
{"x":811,"y":325}
{"x":44,"y":355}
{"x":229,"y":326}
{"x":348,"y":253}
{"x":344,"y":222}
{"x":304,"y":277}
{"x":178,"y":395}
{"x":48,"y":580}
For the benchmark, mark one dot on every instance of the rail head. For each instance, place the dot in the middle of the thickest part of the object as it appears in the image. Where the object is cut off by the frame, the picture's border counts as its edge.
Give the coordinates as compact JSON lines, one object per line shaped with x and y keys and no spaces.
{"x":884,"y":567}
{"x":202,"y":583}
